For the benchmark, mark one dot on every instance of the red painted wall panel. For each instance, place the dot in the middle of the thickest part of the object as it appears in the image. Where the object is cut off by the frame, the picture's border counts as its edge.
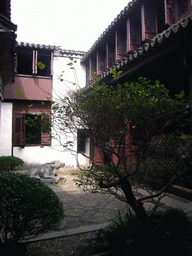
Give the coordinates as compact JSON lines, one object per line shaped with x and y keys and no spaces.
{"x":34,"y":88}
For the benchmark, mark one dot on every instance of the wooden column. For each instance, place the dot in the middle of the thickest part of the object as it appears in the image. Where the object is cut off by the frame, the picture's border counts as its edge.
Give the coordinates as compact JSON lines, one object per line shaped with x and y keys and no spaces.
{"x":98,"y":156}
{"x":89,"y":70}
{"x":87,"y":73}
{"x":128,"y":36}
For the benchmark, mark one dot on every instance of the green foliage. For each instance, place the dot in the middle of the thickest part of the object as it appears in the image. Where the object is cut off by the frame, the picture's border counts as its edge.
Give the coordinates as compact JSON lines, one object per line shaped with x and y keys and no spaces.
{"x":125,"y":123}
{"x":20,"y":93}
{"x":40,"y":65}
{"x":115,"y":74}
{"x":164,"y":161}
{"x":145,"y":107}
{"x":8,"y":163}
{"x":28,"y":207}
{"x":173,"y":235}
{"x":33,"y":123}
{"x":87,"y":180}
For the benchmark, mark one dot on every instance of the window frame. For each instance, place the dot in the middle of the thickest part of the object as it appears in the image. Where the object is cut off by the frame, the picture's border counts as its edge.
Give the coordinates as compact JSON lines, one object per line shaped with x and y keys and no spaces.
{"x":36,"y":55}
{"x":81,"y":140}
{"x":19,"y":131}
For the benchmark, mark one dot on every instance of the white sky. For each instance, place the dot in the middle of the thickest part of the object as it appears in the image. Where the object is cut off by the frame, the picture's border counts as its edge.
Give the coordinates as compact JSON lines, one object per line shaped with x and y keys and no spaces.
{"x":71,"y":24}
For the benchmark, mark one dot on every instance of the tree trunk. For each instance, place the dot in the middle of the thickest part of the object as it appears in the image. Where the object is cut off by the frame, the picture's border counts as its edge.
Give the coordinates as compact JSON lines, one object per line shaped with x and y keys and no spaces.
{"x":132,"y":201}
{"x":149,"y":239}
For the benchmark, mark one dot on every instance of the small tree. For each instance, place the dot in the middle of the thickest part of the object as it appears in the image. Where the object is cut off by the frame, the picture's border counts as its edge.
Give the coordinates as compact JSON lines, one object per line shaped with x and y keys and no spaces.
{"x":136,"y":120}
{"x":141,"y":132}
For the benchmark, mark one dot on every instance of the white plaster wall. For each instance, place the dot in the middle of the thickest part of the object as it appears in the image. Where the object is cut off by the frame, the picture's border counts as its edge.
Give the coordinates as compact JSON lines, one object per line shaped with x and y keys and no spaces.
{"x":73,"y":79}
{"x":37,"y":155}
{"x":6,"y":110}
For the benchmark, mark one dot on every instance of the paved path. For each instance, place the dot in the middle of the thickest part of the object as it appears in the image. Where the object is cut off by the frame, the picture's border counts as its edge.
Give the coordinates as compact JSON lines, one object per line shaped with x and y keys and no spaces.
{"x":86,"y":211}
{"x":84,"y":208}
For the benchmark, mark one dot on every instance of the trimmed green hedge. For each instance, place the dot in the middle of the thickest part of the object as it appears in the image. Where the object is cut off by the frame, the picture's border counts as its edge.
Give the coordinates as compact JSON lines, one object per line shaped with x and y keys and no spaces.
{"x":27,"y":207}
{"x":8,"y":163}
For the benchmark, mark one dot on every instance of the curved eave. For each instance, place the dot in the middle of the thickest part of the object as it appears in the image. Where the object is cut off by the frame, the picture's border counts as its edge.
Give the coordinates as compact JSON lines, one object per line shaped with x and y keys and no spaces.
{"x":150,"y":48}
{"x":57,"y":49}
{"x":7,"y":23}
{"x":128,"y":9}
{"x":63,"y":52}
{"x":37,"y":46}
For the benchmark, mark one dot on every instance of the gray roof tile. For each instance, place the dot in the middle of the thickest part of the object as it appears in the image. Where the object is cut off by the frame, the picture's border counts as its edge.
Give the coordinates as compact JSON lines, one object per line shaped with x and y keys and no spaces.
{"x":149,"y":46}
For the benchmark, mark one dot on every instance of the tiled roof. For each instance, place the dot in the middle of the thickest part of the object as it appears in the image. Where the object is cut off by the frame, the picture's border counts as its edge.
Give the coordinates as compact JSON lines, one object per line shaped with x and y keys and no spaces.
{"x":57,"y":49}
{"x":63,"y":53}
{"x":123,"y":13}
{"x":38,"y":46}
{"x":149,"y":47}
{"x":7,"y":23}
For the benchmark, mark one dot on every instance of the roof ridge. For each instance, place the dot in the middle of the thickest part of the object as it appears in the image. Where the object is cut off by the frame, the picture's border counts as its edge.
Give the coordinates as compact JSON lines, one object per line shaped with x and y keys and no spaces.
{"x":158,"y":39}
{"x":49,"y":47}
{"x":37,"y":46}
{"x":119,"y":16}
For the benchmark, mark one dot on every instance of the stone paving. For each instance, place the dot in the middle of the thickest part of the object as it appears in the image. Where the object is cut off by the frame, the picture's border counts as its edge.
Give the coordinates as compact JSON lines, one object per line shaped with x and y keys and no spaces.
{"x":87,"y":212}
{"x":84,"y":208}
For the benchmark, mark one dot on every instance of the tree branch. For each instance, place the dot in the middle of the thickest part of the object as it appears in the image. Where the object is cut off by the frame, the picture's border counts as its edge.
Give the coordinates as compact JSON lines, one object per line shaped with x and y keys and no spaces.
{"x":109,"y":185}
{"x":164,"y":189}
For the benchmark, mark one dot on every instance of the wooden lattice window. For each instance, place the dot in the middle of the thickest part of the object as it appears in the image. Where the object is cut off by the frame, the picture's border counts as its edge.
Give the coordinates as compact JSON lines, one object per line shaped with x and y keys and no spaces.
{"x":182,"y":7}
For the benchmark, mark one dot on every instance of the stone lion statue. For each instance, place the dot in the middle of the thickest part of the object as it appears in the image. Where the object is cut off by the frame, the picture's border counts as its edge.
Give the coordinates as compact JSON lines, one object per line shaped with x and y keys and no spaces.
{"x":46,"y":171}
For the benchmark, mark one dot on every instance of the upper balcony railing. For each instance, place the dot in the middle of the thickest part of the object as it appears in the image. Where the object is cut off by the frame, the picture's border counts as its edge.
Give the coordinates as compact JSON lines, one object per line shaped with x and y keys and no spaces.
{"x":136,"y":25}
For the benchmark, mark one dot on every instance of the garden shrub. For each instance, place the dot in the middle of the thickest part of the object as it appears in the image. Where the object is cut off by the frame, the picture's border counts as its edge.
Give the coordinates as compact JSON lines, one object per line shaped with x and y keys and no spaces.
{"x":8,"y":163}
{"x":27,"y":207}
{"x":173,"y":236}
{"x":165,"y":161}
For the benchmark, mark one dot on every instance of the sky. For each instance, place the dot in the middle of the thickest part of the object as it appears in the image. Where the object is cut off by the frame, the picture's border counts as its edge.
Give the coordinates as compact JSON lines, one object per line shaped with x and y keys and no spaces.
{"x":71,"y":24}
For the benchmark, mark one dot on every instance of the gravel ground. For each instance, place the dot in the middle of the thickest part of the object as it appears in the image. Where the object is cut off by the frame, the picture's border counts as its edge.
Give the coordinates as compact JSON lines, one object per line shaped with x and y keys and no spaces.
{"x":59,"y":246}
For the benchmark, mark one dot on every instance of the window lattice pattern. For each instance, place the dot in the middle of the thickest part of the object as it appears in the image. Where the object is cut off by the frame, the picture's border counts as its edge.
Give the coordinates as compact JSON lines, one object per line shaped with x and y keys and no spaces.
{"x":183,"y":6}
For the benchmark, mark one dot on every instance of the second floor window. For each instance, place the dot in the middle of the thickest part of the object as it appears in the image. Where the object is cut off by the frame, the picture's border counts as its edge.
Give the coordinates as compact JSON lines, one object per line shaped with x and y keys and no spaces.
{"x":27,"y":60}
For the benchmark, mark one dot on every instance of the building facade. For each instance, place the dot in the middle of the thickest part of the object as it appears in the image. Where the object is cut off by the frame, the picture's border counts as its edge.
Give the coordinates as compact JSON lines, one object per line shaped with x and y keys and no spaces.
{"x":28,"y":102}
{"x":7,"y":44}
{"x":150,"y":39}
